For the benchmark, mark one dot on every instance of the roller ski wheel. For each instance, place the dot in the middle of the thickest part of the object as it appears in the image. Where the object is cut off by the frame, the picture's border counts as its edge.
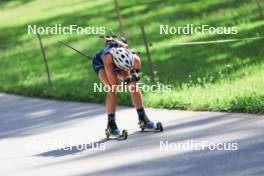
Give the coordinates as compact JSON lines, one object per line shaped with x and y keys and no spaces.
{"x":110,"y":135}
{"x":157,"y":128}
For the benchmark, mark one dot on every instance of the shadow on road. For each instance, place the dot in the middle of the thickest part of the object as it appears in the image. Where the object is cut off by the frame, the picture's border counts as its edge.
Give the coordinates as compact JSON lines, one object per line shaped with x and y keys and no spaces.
{"x":229,"y":128}
{"x":244,"y":161}
{"x":140,"y":154}
{"x":22,"y":116}
{"x":71,"y":150}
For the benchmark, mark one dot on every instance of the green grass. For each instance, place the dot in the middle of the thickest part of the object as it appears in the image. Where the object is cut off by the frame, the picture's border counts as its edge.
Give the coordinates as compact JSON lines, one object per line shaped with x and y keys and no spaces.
{"x":215,"y":77}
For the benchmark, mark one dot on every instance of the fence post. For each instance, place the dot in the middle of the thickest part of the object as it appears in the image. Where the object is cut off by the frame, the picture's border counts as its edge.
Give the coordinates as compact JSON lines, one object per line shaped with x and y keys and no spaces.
{"x":120,"y":19}
{"x":150,"y":63}
{"x":44,"y":58}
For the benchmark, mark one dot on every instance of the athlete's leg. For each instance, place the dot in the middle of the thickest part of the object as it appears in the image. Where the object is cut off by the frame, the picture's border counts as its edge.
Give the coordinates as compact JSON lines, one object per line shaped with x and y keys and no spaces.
{"x":110,"y":103}
{"x":111,"y":96}
{"x":136,"y":98}
{"x":138,"y":103}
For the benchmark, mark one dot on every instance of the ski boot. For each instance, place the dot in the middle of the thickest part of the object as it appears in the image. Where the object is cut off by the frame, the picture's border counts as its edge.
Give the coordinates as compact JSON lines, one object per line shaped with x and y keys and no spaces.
{"x":146,"y":125}
{"x":113,"y":132}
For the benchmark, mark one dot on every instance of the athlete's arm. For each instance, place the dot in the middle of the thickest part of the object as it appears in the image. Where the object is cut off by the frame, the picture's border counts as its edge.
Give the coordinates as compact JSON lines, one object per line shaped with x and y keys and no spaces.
{"x":137,"y":62}
{"x":109,"y":69}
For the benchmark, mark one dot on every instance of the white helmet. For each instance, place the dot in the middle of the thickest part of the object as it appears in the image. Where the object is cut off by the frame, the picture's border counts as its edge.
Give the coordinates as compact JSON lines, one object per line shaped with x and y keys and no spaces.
{"x":123,"y":58}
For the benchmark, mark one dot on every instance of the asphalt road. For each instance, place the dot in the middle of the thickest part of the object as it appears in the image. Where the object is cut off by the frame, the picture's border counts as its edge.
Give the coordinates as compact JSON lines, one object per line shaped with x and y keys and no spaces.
{"x":33,"y":131}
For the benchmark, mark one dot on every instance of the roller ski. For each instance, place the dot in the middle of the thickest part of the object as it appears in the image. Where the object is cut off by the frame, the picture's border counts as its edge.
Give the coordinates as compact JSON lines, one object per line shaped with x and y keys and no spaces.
{"x":112,"y":132}
{"x":146,"y":125}
{"x":111,"y":135}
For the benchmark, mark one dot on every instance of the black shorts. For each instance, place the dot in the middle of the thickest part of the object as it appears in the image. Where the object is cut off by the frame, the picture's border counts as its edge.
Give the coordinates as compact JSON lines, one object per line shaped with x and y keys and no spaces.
{"x":97,"y":65}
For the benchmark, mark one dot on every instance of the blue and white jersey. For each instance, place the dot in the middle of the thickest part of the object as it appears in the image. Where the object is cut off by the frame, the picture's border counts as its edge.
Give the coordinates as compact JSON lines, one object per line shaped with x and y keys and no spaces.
{"x":98,"y":62}
{"x":104,"y":51}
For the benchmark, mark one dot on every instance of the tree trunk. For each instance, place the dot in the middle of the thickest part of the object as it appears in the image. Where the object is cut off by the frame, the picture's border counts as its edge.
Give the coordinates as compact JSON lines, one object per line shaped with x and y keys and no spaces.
{"x":261,"y":15}
{"x":120,"y":19}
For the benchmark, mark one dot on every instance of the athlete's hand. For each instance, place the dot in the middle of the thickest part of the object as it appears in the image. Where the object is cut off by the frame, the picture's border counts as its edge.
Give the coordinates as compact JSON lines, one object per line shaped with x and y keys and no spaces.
{"x":128,"y":79}
{"x":134,"y":77}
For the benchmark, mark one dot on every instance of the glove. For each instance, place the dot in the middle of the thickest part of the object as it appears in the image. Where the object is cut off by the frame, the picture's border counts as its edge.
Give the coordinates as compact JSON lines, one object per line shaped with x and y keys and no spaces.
{"x":134,"y":77}
{"x":128,"y":79}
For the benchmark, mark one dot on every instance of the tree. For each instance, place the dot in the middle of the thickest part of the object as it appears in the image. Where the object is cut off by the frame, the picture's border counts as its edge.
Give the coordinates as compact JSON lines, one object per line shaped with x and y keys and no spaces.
{"x":120,"y":19}
{"x":261,"y":15}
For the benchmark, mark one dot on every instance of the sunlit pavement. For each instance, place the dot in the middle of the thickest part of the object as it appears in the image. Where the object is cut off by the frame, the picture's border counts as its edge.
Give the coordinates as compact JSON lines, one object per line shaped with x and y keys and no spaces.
{"x":32,"y":130}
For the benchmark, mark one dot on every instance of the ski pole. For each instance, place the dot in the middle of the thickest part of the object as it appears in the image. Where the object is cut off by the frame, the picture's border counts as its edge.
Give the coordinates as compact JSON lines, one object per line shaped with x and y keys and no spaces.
{"x":78,"y":51}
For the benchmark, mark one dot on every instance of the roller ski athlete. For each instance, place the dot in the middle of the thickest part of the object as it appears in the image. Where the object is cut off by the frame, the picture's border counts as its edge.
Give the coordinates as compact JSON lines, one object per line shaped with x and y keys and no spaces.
{"x":115,"y":61}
